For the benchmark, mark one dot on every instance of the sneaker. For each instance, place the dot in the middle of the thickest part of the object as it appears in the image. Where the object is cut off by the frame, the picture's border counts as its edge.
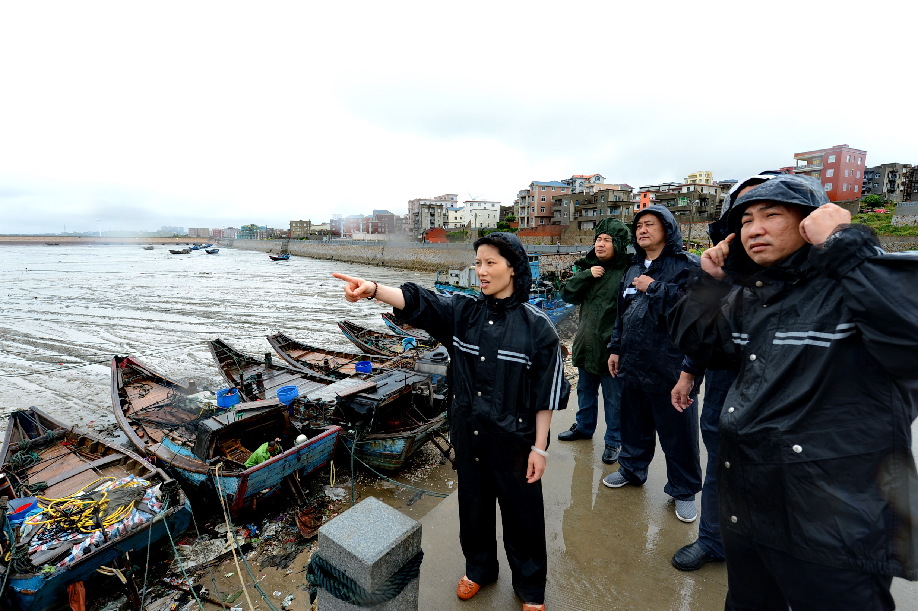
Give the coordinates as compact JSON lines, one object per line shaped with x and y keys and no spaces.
{"x":573,"y":434}
{"x":533,"y":607}
{"x":614,"y":480}
{"x":686,"y":510}
{"x":610,"y":455}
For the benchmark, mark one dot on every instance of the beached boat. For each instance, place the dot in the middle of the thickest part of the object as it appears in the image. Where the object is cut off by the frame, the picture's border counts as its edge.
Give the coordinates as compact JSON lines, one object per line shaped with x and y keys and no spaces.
{"x":334,"y":363}
{"x":211,"y":251}
{"x":77,"y":504}
{"x":183,"y":251}
{"x":402,"y":328}
{"x":391,"y":412}
{"x":384,"y":344}
{"x":208,"y":445}
{"x":148,"y":248}
{"x":283,"y":257}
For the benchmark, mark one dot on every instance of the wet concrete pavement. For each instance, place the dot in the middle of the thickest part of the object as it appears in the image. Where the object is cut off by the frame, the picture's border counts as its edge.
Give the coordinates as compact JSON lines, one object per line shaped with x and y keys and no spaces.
{"x":608,"y":549}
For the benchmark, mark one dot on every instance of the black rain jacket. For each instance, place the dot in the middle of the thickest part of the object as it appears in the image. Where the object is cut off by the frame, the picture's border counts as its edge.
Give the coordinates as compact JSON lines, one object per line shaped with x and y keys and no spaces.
{"x":647,"y":354}
{"x":815,"y":434}
{"x":506,"y":365}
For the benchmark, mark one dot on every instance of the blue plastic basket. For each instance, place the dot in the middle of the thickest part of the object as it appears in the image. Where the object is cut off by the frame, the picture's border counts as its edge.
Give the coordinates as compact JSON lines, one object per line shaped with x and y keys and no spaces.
{"x":363,"y":367}
{"x":227,"y":397}
{"x":286,"y":394}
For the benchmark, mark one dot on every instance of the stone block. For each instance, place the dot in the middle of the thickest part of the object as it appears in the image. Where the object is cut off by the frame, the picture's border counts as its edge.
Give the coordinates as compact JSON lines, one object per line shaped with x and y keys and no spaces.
{"x":369,"y":543}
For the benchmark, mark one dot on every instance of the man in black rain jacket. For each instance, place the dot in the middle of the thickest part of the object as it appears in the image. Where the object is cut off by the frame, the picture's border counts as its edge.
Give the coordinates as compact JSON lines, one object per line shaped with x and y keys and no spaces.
{"x":644,"y":356}
{"x":817,"y":482}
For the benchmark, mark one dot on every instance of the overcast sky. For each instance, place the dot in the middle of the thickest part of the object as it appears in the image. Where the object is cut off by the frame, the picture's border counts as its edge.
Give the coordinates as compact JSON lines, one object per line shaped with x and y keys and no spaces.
{"x":134,"y":115}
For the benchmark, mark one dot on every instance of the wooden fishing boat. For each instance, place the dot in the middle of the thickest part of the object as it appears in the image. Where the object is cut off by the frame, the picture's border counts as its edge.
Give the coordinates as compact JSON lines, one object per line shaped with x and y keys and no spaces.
{"x":402,"y":328}
{"x":333,"y":363}
{"x":282,"y":257}
{"x":148,"y":248}
{"x":211,"y":251}
{"x":183,"y":251}
{"x":384,"y":344}
{"x":392,"y":412}
{"x":51,"y":468}
{"x":206,"y":445}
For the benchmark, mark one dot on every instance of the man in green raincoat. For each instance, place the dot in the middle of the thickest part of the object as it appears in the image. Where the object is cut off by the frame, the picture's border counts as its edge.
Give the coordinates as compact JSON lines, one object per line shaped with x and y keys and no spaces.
{"x":265,"y":451}
{"x":595,"y":288}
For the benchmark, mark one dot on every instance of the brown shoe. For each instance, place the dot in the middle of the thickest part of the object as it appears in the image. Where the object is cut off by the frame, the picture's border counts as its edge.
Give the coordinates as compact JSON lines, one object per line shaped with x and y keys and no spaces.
{"x":533,"y":607}
{"x":467,"y":588}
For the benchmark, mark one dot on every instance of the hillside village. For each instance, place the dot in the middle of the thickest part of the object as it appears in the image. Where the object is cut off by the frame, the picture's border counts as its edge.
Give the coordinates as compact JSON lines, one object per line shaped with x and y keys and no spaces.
{"x":558,"y":210}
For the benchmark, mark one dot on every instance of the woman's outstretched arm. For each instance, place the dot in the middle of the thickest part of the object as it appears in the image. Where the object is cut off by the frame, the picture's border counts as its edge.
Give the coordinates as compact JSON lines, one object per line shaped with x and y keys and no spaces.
{"x":356,"y":289}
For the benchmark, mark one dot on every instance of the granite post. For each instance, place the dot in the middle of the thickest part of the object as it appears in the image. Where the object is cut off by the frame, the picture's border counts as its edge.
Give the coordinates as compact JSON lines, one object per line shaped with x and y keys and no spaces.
{"x":370,"y":543}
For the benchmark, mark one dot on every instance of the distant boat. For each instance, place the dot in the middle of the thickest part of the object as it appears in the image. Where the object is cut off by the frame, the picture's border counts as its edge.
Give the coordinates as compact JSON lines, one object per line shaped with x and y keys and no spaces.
{"x":83,"y":474}
{"x":52,"y":243}
{"x":183,"y":251}
{"x":211,"y":251}
{"x":148,"y":248}
{"x":283,"y":257}
{"x":163,"y":419}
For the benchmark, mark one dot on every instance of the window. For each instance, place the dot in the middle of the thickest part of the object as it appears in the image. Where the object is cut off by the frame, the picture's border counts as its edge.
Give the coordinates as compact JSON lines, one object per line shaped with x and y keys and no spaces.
{"x":828,"y":186}
{"x":542,"y":209}
{"x":848,"y":158}
{"x":830,"y":172}
{"x":860,"y":160}
{"x":847,"y":173}
{"x":846,"y":187}
{"x":831,"y":159}
{"x":543,"y":188}
{"x":856,"y":188}
{"x":858,"y":173}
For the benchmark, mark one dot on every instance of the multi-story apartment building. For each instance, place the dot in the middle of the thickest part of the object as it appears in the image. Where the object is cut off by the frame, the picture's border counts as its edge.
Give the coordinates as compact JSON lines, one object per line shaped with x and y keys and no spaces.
{"x":427,"y":213}
{"x":198,"y":232}
{"x":701,"y":177}
{"x":533,"y":206}
{"x":647,"y":194}
{"x":584,"y":210}
{"x":300,"y":229}
{"x":473,"y":213}
{"x":840,"y":169}
{"x":578,"y":182}
{"x":693,"y":202}
{"x":887,"y":180}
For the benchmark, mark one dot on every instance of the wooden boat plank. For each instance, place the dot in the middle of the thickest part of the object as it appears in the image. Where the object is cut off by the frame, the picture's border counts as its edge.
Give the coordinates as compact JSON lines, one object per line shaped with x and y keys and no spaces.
{"x":86,"y":466}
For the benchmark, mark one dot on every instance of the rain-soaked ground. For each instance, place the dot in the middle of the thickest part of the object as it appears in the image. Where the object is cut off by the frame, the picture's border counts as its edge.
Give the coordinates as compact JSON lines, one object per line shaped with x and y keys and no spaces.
{"x":65,"y":310}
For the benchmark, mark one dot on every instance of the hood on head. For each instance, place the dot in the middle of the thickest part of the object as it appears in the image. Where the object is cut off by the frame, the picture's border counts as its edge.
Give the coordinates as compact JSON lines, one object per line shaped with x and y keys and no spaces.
{"x":719,"y":230}
{"x":804,"y":192}
{"x":670,"y":227}
{"x":512,"y":250}
{"x":620,"y":234}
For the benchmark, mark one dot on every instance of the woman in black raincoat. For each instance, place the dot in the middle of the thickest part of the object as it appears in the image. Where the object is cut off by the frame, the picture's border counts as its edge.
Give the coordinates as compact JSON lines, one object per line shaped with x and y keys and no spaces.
{"x":507,"y":378}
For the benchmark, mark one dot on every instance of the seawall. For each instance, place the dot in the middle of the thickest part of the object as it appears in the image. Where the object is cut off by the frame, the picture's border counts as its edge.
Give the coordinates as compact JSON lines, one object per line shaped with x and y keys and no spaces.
{"x":417,"y":257}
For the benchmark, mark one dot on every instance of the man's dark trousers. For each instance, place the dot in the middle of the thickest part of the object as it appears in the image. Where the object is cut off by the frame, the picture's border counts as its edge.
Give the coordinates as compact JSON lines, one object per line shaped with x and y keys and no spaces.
{"x":644,"y":414}
{"x":716,"y":384}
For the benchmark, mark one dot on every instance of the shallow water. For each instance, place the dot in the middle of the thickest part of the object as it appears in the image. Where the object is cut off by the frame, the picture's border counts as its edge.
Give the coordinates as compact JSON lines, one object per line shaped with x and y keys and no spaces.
{"x":66,"y":310}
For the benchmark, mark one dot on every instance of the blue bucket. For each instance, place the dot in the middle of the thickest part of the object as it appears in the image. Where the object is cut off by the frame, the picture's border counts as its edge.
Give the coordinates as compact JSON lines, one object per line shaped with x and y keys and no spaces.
{"x":408,"y":343}
{"x":286,"y":394}
{"x":363,"y":367}
{"x":227,"y":397}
